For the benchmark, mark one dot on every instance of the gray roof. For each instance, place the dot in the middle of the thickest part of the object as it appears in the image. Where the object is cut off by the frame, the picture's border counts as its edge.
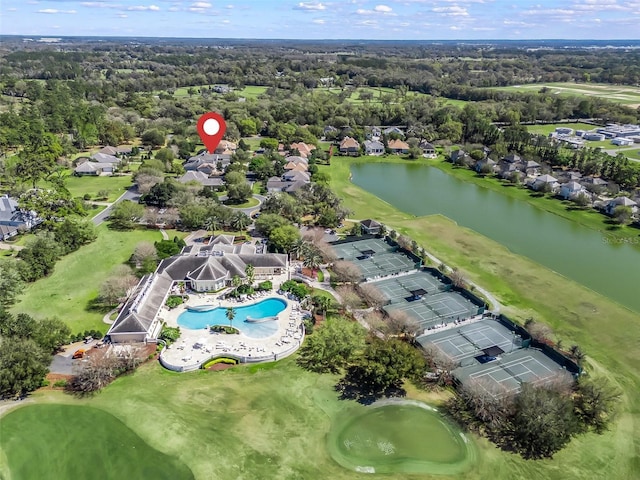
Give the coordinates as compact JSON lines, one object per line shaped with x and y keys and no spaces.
{"x":91,"y":167}
{"x":626,"y":201}
{"x":512,"y":157}
{"x":532,"y":164}
{"x":104,"y":158}
{"x":295,"y":186}
{"x":296,"y":159}
{"x":573,"y":186}
{"x":201,"y":178}
{"x":373,"y":145}
{"x":296,"y":175}
{"x":8,"y":209}
{"x":370,"y":223}
{"x":546,"y":179}
{"x":108,"y":150}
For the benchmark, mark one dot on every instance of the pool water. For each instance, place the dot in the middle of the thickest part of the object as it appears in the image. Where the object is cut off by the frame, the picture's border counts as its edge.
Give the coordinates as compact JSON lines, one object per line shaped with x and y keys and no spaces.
{"x":270,"y":307}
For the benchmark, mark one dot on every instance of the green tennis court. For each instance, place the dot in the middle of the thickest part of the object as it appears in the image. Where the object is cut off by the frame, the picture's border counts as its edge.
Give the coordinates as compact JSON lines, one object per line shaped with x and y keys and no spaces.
{"x":375,"y":258}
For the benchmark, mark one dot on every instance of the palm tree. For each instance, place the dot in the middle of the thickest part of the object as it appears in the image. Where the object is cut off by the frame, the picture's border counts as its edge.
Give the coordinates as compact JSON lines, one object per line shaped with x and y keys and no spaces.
{"x":313,"y":260}
{"x":249,"y":271}
{"x":240,"y":221}
{"x":322,"y":305}
{"x":211,"y":224}
{"x":298,"y":248}
{"x":231,"y":314}
{"x":236,"y":281}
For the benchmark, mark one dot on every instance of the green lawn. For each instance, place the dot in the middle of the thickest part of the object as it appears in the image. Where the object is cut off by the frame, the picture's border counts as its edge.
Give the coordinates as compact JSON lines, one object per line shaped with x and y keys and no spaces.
{"x":354,"y":96}
{"x":624,"y":94}
{"x":607,"y":331}
{"x":551,"y":127}
{"x":74,"y":441}
{"x":115,"y":185}
{"x":252,"y":91}
{"x":67,"y":293}
{"x":252,"y":202}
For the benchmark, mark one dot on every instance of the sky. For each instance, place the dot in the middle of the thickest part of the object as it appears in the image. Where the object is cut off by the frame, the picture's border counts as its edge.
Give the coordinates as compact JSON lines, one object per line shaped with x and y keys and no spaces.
{"x":339,"y":19}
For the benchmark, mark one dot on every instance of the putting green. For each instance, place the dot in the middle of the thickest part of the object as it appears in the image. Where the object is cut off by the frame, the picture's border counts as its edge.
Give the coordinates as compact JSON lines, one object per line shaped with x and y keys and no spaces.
{"x":67,"y":442}
{"x":399,"y":437}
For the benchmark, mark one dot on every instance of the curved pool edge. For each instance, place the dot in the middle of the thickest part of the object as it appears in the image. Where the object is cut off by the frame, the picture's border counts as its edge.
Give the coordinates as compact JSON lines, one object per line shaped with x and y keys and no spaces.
{"x":409,"y":467}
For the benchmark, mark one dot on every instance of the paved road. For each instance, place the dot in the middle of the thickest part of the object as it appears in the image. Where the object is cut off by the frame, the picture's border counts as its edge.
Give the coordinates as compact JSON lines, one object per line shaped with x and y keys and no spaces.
{"x":249,"y":210}
{"x":131,"y":194}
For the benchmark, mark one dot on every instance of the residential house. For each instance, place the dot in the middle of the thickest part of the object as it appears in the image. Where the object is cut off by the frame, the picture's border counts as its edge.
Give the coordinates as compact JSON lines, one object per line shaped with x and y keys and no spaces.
{"x":202,"y":178}
{"x":457,"y":156}
{"x":594,"y":183}
{"x":109,"y":150}
{"x":393,"y":130}
{"x":545,"y":182}
{"x":296,"y":159}
{"x":225,"y":147}
{"x":349,"y":146}
{"x":300,"y":167}
{"x":428,"y":150}
{"x":107,"y":158}
{"x":199,"y":268}
{"x":295,"y":176}
{"x":512,"y":158}
{"x":532,"y":168}
{"x":486,"y":165}
{"x":373,"y":147}
{"x":398,"y":147}
{"x":371,"y":227}
{"x":571,"y":190}
{"x":13,"y":219}
{"x":89,"y":168}
{"x":305,"y":149}
{"x":621,"y":201}
{"x":207,"y":163}
{"x":124,"y":150}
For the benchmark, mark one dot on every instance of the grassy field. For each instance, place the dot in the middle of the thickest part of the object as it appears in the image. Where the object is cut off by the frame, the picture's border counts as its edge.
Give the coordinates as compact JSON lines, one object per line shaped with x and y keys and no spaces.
{"x":626,"y":95}
{"x":78,"y":439}
{"x":115,"y":185}
{"x":354,"y":96}
{"x":607,"y":331}
{"x":68,"y":292}
{"x":551,"y":127}
{"x":251,"y":91}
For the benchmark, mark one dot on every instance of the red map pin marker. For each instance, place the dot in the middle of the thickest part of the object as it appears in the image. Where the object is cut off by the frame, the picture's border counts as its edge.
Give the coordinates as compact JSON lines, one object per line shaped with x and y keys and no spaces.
{"x":211,"y":128}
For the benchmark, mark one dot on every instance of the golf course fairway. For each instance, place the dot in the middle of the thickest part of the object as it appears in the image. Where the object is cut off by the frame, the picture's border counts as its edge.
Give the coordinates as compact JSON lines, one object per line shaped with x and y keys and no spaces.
{"x":70,"y":441}
{"x":399,"y":437}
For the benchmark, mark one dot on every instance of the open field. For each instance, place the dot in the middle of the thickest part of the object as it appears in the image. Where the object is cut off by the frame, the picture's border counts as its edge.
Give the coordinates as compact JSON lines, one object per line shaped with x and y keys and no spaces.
{"x":271,"y":421}
{"x":251,"y":91}
{"x":354,"y":96}
{"x":604,"y":329}
{"x":115,"y":185}
{"x":67,"y":293}
{"x":68,"y":446}
{"x":624,"y":94}
{"x":551,"y":127}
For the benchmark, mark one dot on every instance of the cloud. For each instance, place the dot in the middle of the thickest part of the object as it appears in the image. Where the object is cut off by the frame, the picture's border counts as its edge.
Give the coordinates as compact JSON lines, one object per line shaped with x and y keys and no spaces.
{"x":99,"y":5}
{"x":53,"y":11}
{"x":201,"y":5}
{"x":123,"y":15}
{"x":143,"y":8}
{"x":383,"y":9}
{"x":318,"y":21}
{"x":310,"y":6}
{"x":378,"y":10}
{"x":453,"y":11}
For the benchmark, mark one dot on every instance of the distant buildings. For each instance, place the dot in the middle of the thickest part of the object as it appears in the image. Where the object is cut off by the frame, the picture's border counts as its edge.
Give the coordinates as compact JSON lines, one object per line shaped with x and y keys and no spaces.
{"x":13,"y":219}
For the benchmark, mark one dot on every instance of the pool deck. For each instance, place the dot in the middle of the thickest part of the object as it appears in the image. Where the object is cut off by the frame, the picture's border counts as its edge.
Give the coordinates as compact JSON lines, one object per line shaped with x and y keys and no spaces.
{"x":195,"y":347}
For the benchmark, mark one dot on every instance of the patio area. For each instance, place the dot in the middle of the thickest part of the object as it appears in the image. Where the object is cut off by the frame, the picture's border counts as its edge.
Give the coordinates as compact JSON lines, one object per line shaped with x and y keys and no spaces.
{"x":195,"y":347}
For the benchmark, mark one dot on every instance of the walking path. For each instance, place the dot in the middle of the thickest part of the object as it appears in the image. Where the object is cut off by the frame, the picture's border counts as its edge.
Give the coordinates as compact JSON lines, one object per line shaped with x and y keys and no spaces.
{"x":164,"y":234}
{"x":7,"y":246}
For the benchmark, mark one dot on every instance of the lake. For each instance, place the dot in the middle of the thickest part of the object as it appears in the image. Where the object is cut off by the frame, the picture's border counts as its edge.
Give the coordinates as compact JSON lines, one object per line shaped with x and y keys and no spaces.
{"x":601,"y":263}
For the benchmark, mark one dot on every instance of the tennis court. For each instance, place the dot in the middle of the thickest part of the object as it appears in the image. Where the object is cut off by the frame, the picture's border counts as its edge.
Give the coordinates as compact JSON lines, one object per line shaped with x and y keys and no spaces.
{"x":374,"y":257}
{"x":432,"y":310}
{"x":399,"y":288}
{"x":464,"y":343}
{"x":507,"y":375}
{"x":352,"y":250}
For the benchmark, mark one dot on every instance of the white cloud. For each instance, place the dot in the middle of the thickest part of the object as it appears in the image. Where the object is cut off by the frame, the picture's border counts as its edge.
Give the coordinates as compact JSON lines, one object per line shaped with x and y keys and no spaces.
{"x":52,"y":11}
{"x":453,"y":11}
{"x":383,"y":9}
{"x":99,"y":5}
{"x":378,"y":10}
{"x":201,"y":5}
{"x":318,"y":21}
{"x":143,"y":8}
{"x":310,"y":6}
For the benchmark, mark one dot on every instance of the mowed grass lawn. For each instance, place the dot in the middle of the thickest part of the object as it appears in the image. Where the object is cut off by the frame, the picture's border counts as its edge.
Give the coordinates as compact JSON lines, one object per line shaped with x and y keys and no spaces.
{"x":77,"y":277}
{"x":271,"y":421}
{"x":606,"y":331}
{"x":551,"y":127}
{"x":115,"y":185}
{"x":624,"y":94}
{"x":75,"y":441}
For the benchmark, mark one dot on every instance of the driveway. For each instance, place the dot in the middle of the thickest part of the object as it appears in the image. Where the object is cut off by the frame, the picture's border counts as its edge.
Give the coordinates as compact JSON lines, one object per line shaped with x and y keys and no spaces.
{"x":63,"y":364}
{"x":131,"y":194}
{"x":250,"y":210}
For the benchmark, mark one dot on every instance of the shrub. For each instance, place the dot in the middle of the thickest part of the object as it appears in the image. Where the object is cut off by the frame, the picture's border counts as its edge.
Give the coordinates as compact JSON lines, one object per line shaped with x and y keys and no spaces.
{"x":174,"y":300}
{"x":227,"y":361}
{"x":60,"y":384}
{"x":86,"y":196}
{"x":224,"y":329}
{"x":170,"y":334}
{"x":265,"y":286}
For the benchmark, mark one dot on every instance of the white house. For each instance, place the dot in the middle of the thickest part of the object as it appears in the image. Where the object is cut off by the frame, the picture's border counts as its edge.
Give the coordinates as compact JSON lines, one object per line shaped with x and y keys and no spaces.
{"x":621,"y":201}
{"x":571,"y":190}
{"x":622,"y":141}
{"x":545,"y":181}
{"x":373,"y":147}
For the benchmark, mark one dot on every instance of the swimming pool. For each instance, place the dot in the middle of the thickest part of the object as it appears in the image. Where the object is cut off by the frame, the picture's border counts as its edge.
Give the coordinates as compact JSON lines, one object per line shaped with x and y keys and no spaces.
{"x":270,"y":307}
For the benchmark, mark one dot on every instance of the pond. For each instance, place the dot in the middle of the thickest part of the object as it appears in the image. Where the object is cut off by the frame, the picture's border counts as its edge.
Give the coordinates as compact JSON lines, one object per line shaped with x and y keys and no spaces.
{"x":587,"y":256}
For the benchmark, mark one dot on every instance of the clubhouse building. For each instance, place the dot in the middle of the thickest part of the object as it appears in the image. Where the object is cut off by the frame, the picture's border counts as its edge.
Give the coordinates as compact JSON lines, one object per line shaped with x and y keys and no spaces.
{"x":199,"y":268}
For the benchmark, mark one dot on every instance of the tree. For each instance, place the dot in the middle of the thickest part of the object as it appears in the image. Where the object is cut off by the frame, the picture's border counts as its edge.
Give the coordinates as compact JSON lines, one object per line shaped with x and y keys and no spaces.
{"x":542,"y":423}
{"x":346,"y":272}
{"x":230,"y":314}
{"x":169,"y":248}
{"x":11,"y":283}
{"x":267,"y":222}
{"x":125,"y":215}
{"x":457,"y":278}
{"x":115,"y":288}
{"x":269,"y":144}
{"x":153,"y":138}
{"x":38,"y":258}
{"x":322,"y":304}
{"x":284,"y":237}
{"x":249,"y":272}
{"x":595,"y":403}
{"x":372,"y":295}
{"x":23,"y":366}
{"x":74,"y":232}
{"x":50,"y":334}
{"x":348,"y":296}
{"x":238,"y":193}
{"x":240,"y":221}
{"x":622,"y":214}
{"x":332,"y":346}
{"x":381,"y":369}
